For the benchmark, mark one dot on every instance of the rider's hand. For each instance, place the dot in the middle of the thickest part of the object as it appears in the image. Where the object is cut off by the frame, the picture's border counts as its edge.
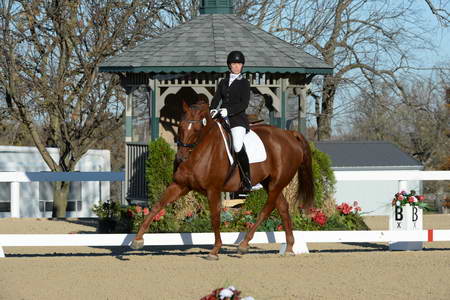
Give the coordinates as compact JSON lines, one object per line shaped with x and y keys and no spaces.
{"x":223,"y":112}
{"x":213,"y":112}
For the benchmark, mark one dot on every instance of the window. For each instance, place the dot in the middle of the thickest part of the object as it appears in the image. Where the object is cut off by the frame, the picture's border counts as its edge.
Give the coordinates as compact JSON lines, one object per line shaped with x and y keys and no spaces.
{"x":5,"y":196}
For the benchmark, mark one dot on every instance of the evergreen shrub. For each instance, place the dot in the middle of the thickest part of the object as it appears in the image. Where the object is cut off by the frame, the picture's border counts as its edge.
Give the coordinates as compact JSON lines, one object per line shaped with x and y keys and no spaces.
{"x":159,"y":168}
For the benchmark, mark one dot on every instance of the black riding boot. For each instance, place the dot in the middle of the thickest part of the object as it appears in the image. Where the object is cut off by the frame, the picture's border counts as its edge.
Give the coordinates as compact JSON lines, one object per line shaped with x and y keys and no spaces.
{"x":244,"y":168}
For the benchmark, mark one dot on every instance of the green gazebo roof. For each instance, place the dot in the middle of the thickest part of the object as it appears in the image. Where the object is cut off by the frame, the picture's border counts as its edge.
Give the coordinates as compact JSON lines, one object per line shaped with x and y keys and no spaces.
{"x":202,"y":45}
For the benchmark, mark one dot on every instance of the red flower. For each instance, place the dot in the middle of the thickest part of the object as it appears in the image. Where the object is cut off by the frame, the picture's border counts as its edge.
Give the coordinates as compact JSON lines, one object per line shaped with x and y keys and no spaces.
{"x":344,"y":208}
{"x":420,"y":198}
{"x":138,"y":209}
{"x":247,"y":212}
{"x":129,"y":213}
{"x":320,"y":218}
{"x":146,"y":211}
{"x":249,"y":224}
{"x":225,"y":209}
{"x":226,"y":223}
{"x":189,"y":214}
{"x":400,"y":197}
{"x":411,"y":199}
{"x":159,"y":215}
{"x":280,"y":227}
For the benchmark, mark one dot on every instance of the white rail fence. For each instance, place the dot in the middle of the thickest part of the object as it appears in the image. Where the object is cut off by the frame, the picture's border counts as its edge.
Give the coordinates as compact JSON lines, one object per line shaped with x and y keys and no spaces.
{"x":17,"y":177}
{"x":228,"y":238}
{"x":302,"y":237}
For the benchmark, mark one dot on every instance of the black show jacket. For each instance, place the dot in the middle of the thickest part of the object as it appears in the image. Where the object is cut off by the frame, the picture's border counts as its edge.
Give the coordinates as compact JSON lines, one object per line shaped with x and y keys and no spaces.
{"x":235,"y":98}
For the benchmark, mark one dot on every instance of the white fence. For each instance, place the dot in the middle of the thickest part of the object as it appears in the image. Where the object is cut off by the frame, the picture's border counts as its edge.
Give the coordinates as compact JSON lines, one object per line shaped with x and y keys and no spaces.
{"x":401,"y":176}
{"x":16,"y":177}
{"x":228,"y":238}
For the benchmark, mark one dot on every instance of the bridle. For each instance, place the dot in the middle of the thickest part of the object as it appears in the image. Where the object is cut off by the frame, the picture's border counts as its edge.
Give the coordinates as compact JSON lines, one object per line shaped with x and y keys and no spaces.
{"x":191,"y":146}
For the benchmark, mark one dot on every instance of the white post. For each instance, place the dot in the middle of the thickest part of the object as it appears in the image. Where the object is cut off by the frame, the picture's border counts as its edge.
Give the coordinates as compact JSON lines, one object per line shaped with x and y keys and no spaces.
{"x":402,"y":185}
{"x":2,"y":253}
{"x":15,"y":200}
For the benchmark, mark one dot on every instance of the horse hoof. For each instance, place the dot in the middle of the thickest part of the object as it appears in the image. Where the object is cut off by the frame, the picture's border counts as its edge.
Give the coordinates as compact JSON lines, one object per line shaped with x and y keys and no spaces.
{"x":289,"y":253}
{"x":242,"y":250}
{"x":212,"y":257}
{"x":137,"y":244}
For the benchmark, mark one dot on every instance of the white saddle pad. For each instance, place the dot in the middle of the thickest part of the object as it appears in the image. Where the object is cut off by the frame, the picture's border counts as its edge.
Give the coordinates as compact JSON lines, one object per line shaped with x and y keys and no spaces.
{"x":254,"y":147}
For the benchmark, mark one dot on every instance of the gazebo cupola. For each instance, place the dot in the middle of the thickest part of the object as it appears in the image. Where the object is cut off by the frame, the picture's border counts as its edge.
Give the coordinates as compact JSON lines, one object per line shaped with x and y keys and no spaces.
{"x":216,"y":7}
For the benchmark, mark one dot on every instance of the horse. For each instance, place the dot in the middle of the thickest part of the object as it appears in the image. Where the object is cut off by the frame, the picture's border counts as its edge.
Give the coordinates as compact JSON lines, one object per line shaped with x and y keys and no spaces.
{"x":203,"y":166}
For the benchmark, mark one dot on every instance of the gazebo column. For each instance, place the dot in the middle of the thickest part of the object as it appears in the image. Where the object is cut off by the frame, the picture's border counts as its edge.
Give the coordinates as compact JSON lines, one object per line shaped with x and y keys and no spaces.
{"x":155,"y":110}
{"x":302,"y":107}
{"x":129,"y":113}
{"x":284,"y":96}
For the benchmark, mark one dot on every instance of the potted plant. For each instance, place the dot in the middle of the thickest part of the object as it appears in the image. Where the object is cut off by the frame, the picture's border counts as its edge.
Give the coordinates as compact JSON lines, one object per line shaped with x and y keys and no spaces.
{"x":108,"y":216}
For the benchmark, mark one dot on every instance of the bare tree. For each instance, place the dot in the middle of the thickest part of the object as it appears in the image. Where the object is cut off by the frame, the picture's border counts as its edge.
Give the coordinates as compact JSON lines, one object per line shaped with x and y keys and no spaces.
{"x":418,"y":127}
{"x":361,"y":39}
{"x":441,"y":10}
{"x":50,"y":53}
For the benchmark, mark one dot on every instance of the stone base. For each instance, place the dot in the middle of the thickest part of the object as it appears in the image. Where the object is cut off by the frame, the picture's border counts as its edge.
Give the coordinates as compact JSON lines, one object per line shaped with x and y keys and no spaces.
{"x":408,"y":246}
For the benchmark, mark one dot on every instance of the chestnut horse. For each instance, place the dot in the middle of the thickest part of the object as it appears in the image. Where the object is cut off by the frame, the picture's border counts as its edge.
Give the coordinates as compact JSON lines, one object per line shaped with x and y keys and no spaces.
{"x":204,"y":167}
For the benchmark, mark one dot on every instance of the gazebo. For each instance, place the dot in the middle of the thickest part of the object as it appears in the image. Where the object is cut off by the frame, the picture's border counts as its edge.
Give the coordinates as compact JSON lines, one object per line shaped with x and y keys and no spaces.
{"x":190,"y":59}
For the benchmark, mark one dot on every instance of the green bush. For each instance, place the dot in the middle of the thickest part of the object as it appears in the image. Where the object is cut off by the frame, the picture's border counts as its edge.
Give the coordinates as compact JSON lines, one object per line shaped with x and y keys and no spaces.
{"x":324,"y":179}
{"x":255,"y":201}
{"x":159,"y":168}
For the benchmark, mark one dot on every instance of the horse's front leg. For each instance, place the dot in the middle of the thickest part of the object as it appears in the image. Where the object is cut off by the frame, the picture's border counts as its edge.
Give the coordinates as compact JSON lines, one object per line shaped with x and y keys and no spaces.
{"x":214,"y":207}
{"x":171,"y":194}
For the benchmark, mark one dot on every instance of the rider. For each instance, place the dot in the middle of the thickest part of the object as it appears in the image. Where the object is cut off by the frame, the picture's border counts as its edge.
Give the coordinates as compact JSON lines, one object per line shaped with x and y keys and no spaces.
{"x":231,"y":99}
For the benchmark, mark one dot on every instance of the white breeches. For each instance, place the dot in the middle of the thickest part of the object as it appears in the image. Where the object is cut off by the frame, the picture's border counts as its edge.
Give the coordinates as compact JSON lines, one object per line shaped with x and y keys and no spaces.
{"x":238,"y":134}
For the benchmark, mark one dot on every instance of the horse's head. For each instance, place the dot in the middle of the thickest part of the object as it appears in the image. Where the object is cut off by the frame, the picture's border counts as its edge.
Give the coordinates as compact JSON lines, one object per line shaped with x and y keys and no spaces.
{"x":194,"y":120}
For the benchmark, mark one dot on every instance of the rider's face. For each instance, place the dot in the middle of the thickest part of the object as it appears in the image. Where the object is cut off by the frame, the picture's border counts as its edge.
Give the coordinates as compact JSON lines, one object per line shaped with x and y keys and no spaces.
{"x":236,"y":68}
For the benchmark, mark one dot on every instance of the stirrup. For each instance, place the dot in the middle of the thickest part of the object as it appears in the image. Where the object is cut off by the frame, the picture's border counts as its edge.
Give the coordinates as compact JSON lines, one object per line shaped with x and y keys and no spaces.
{"x":245,"y":187}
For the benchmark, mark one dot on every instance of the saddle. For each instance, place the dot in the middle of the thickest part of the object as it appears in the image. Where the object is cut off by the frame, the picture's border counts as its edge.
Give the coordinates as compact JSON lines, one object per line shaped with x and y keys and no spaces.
{"x":253,"y":146}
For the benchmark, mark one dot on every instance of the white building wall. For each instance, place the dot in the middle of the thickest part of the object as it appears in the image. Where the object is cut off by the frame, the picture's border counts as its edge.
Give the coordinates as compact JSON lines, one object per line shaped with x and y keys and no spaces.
{"x":28,"y":159}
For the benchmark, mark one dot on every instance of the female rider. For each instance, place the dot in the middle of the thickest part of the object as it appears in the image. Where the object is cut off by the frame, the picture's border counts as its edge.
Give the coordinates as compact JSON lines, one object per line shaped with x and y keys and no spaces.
{"x":231,"y":99}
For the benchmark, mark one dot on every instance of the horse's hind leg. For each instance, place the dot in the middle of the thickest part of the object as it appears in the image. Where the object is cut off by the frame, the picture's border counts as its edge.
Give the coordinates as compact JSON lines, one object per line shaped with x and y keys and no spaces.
{"x":263,"y":215}
{"x":172,"y":193}
{"x":283,"y":208}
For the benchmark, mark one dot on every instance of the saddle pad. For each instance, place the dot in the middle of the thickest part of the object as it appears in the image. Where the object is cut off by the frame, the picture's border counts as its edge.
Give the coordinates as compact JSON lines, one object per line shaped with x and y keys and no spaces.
{"x":254,"y":147}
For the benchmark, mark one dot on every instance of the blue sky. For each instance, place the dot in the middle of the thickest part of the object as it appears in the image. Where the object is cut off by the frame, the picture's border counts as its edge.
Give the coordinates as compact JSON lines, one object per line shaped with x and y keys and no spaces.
{"x":439,"y":35}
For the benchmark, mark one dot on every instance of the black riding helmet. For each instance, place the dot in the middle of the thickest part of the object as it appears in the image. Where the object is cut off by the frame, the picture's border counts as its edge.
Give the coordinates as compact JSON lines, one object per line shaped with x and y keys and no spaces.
{"x":235,"y":57}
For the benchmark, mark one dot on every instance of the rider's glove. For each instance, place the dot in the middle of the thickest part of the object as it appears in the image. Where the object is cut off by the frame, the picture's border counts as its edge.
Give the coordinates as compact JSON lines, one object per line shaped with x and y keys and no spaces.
{"x":213,"y":112}
{"x":223,"y":112}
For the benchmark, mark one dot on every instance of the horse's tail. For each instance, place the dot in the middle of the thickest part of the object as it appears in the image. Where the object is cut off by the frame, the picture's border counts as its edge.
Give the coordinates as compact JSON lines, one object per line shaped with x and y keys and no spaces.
{"x":305,"y":188}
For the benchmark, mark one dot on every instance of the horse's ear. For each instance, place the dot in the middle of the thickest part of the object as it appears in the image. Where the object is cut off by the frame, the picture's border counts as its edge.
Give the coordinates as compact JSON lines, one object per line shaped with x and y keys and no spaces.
{"x":185,"y":106}
{"x":202,"y":99}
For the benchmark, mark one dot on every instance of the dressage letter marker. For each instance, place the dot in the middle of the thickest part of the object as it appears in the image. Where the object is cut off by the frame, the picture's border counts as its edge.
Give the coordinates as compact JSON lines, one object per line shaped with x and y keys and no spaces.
{"x":406,"y":218}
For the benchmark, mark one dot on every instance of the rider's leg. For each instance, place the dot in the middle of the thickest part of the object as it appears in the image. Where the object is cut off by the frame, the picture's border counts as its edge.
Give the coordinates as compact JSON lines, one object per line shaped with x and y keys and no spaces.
{"x":238,"y":134}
